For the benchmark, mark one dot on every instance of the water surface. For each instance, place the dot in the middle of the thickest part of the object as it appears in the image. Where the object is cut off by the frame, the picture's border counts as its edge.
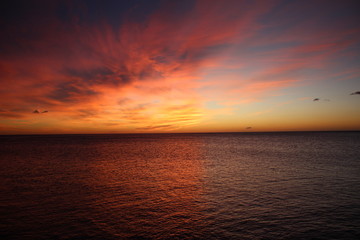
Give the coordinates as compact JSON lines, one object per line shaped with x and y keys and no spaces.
{"x":181,"y":186}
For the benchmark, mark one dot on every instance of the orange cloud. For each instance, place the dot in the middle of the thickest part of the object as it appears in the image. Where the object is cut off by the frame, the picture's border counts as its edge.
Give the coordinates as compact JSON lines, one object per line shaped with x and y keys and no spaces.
{"x":156,"y":72}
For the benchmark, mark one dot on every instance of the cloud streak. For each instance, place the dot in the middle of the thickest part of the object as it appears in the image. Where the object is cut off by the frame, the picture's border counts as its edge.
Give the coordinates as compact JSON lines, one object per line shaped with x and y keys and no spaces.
{"x":155,"y":67}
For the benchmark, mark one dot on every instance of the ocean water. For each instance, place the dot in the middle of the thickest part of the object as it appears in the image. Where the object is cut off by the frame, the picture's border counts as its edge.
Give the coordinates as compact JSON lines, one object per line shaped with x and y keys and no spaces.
{"x":181,"y":186}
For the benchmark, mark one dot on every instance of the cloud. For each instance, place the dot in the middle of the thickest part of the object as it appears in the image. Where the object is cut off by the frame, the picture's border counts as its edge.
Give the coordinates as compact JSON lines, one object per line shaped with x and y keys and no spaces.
{"x":157,"y":127}
{"x":36,"y":111}
{"x":318,"y":99}
{"x":11,"y":115}
{"x":75,"y":62}
{"x":147,"y":64}
{"x":355,"y":93}
{"x":71,"y":92}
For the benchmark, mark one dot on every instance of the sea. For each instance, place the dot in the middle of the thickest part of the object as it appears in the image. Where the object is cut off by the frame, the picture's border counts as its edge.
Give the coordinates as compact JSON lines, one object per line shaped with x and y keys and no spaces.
{"x":289,"y":185}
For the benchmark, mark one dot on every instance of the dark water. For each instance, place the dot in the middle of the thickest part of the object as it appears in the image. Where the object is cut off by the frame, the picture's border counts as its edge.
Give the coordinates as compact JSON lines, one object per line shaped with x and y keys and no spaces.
{"x":181,"y":186}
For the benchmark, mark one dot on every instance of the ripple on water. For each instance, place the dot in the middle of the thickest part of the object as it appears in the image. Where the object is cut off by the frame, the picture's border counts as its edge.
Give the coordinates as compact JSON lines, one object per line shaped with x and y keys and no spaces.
{"x":181,"y":186}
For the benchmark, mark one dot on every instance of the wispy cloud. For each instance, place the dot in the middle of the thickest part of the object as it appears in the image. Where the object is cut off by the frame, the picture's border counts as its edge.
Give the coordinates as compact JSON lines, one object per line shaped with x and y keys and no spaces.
{"x":155,"y":67}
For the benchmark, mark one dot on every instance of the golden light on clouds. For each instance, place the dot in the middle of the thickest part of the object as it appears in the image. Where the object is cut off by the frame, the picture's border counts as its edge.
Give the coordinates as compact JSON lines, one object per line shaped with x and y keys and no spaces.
{"x":177,"y":67}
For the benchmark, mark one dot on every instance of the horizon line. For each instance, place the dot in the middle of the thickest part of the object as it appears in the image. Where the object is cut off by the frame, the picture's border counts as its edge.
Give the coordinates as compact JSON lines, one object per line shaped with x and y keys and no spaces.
{"x":165,"y":133}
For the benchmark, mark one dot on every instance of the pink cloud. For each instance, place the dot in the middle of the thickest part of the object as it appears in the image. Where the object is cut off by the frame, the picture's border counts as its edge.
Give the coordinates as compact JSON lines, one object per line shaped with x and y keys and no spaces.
{"x":157,"y":74}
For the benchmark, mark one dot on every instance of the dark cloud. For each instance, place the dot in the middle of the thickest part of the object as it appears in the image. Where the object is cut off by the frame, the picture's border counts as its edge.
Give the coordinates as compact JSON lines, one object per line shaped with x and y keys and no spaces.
{"x":39,"y":112}
{"x":355,"y":93}
{"x":318,"y":99}
{"x":248,"y":128}
{"x":70,"y":92}
{"x":98,"y":76}
{"x":113,"y":74}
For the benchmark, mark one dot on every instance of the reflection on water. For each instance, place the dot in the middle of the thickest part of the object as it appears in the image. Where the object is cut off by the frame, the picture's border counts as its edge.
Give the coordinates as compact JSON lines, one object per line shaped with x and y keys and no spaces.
{"x":153,"y":191}
{"x":181,"y":186}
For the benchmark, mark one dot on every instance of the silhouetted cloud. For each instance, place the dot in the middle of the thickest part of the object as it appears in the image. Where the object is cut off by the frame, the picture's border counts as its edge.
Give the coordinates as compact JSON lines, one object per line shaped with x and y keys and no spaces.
{"x":36,"y":111}
{"x":71,"y":92}
{"x":318,"y":99}
{"x":248,"y":128}
{"x":100,"y":75}
{"x":355,"y":93}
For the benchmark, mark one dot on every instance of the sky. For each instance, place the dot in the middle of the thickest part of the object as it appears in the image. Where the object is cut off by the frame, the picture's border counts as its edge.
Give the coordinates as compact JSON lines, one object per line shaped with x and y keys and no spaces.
{"x":141,"y":66}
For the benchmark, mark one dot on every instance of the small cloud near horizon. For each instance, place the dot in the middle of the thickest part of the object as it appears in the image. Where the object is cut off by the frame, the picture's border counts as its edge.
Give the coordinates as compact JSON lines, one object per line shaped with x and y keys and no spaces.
{"x":318,"y":99}
{"x":355,"y":93}
{"x":38,"y":112}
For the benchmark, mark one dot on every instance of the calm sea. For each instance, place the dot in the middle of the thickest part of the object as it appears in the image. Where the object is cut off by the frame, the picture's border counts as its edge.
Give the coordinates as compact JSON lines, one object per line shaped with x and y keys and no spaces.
{"x":181,"y":186}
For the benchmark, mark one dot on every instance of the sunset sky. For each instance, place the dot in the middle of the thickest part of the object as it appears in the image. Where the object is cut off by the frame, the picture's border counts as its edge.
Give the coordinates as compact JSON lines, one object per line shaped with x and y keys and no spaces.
{"x":141,"y":66}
